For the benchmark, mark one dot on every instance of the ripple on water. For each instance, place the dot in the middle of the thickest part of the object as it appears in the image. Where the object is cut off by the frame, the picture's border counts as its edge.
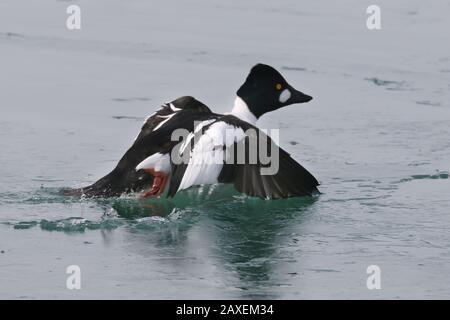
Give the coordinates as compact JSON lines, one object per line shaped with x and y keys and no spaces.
{"x":77,"y":224}
{"x":390,"y":84}
{"x":149,"y":214}
{"x":429,"y":103}
{"x":437,"y":175}
{"x":72,"y":224}
{"x":42,"y":195}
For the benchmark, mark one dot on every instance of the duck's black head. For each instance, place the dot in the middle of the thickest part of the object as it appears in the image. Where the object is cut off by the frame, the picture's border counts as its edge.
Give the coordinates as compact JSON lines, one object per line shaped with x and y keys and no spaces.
{"x":266,"y":90}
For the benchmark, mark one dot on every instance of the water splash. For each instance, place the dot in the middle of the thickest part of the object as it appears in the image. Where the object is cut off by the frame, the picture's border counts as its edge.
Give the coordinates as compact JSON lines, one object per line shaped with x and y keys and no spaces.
{"x":218,"y":202}
{"x":72,"y":224}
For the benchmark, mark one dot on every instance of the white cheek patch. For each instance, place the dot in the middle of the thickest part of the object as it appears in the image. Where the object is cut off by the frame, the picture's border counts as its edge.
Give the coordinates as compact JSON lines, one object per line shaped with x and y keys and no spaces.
{"x":285,"y":95}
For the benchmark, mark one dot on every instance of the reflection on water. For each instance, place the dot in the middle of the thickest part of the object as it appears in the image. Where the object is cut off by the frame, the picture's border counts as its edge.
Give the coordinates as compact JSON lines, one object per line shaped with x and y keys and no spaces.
{"x":202,"y":233}
{"x":250,"y":243}
{"x":246,"y":246}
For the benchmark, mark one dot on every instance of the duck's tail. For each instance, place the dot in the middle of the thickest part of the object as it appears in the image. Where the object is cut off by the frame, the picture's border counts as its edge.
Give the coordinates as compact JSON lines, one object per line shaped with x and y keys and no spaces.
{"x":113,"y":184}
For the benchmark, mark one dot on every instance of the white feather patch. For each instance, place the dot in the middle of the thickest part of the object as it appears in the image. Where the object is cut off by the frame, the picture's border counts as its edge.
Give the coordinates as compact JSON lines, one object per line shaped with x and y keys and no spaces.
{"x":241,"y":110}
{"x":285,"y":95}
{"x":174,"y":109}
{"x":167,"y":118}
{"x":206,"y":158}
{"x":192,"y":134}
{"x":158,"y":162}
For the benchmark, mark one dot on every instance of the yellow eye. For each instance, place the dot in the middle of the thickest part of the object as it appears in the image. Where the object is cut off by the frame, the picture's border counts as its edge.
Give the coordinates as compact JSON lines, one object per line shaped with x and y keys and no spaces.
{"x":278,"y":86}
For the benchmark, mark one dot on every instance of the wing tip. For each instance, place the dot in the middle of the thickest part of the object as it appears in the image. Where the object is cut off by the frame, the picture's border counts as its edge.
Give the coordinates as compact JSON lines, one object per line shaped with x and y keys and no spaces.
{"x":189,"y":102}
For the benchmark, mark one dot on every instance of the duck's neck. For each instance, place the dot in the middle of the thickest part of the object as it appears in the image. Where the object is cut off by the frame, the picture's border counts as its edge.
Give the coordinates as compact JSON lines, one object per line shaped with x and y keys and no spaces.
{"x":241,"y":110}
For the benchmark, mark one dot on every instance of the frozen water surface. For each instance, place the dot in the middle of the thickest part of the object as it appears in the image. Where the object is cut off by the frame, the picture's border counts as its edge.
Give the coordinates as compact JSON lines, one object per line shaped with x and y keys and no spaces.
{"x":377,"y":136}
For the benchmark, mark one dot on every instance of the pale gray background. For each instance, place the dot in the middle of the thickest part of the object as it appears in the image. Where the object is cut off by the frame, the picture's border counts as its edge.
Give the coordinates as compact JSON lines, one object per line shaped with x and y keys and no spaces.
{"x":376,"y":135}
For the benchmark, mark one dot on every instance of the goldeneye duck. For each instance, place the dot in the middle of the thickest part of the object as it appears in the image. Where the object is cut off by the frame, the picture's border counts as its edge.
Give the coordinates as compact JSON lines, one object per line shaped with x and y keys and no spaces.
{"x":263,"y":91}
{"x":148,"y":159}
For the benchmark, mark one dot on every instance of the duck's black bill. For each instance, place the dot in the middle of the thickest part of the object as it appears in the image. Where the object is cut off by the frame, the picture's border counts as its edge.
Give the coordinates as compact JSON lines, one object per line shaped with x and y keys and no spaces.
{"x":299,"y":97}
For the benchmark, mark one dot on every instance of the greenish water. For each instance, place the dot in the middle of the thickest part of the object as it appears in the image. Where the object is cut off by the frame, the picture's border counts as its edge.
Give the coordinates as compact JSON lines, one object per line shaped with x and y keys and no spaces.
{"x":218,"y":244}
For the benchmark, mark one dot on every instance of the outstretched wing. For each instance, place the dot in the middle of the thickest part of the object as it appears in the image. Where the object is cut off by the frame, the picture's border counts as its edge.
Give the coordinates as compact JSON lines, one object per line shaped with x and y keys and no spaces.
{"x":223,"y":139}
{"x":154,"y":137}
{"x":200,"y":156}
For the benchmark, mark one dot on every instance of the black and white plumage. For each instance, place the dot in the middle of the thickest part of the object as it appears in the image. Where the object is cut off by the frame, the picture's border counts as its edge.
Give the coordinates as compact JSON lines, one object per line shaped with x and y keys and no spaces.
{"x":151,"y":155}
{"x":290,"y":180}
{"x":154,"y":137}
{"x":263,"y":91}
